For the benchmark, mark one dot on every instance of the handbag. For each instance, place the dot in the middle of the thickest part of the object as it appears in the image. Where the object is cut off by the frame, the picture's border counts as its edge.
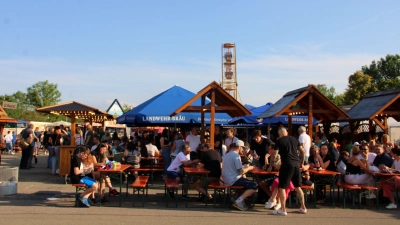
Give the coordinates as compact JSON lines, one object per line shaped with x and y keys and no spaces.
{"x":23,"y":143}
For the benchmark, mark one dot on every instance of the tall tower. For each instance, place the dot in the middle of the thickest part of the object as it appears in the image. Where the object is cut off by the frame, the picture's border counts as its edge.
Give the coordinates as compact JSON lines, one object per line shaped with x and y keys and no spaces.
{"x":229,"y":78}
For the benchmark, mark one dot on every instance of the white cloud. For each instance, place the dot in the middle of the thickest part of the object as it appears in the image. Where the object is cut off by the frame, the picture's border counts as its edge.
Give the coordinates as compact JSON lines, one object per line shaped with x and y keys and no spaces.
{"x":261,"y":79}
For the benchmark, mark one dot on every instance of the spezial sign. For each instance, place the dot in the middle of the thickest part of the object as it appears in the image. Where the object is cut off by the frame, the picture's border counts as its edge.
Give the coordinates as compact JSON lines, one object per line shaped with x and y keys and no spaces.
{"x":9,"y":105}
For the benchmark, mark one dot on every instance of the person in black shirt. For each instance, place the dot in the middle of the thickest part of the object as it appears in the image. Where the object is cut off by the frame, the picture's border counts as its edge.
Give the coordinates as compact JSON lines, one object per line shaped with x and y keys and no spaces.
{"x":217,"y":140}
{"x":260,"y":145}
{"x":287,"y":147}
{"x":77,"y":176}
{"x":211,"y":160}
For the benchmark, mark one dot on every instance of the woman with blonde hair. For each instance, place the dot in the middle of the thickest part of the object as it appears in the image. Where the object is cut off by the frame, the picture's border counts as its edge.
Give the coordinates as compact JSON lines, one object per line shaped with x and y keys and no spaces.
{"x":79,"y":137}
{"x":387,"y":145}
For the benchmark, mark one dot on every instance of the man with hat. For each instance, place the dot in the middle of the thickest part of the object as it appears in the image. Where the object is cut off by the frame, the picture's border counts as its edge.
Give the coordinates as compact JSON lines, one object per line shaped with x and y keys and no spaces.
{"x":232,"y":173}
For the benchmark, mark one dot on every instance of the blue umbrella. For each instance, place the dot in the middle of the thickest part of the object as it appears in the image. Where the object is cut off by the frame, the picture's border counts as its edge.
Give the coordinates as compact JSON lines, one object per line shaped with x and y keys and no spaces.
{"x":156,"y":111}
{"x":252,"y":119}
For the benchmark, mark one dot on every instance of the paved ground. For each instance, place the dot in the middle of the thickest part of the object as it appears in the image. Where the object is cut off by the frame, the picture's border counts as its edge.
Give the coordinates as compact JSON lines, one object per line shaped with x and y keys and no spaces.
{"x":30,"y":206}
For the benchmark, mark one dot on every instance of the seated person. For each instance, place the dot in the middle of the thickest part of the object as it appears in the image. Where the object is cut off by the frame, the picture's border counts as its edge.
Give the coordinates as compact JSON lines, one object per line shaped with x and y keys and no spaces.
{"x":382,"y":159}
{"x":174,"y":170}
{"x":78,"y":176}
{"x":341,"y":162}
{"x":364,"y":152}
{"x":273,"y":200}
{"x":232,"y":171}
{"x":357,"y":171}
{"x":211,"y":160}
{"x":100,"y":159}
{"x":389,"y":187}
{"x":275,"y":166}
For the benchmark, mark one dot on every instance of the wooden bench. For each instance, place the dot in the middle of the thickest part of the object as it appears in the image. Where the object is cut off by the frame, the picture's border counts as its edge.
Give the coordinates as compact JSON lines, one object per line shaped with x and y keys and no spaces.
{"x":347,"y":189}
{"x":140,"y":186}
{"x":220,"y":187}
{"x":171,"y":185}
{"x":365,"y":189}
{"x":78,"y":187}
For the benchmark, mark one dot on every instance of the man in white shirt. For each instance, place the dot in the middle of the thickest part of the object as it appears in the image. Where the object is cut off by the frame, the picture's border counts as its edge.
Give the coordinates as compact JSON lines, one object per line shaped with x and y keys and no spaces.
{"x":9,"y":139}
{"x":174,"y":170}
{"x":364,"y":152}
{"x":305,"y":142}
{"x":193,"y":140}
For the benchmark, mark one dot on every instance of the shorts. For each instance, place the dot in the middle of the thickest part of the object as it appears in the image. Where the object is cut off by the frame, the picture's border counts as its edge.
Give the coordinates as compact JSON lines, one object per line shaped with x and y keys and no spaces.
{"x":8,"y":146}
{"x":289,"y":173}
{"x":37,"y":144}
{"x":89,"y":182}
{"x":203,"y":183}
{"x":247,"y":184}
{"x":174,"y":175}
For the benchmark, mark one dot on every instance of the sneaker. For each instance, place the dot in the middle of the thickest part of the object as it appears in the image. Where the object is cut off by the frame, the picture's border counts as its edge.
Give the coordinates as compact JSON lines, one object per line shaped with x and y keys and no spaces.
{"x":12,"y":153}
{"x":93,"y":201}
{"x":303,"y":211}
{"x":84,"y":202}
{"x":391,"y":206}
{"x":320,"y":168}
{"x":103,"y":200}
{"x":269,"y":204}
{"x":277,"y":206}
{"x":240,"y":205}
{"x":370,"y":196}
{"x":279,"y":213}
{"x":113,"y":193}
{"x":185,"y":197}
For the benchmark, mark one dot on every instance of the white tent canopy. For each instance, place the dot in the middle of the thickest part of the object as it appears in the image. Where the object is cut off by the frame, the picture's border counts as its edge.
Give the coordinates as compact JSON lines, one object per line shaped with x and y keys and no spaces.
{"x":58,"y":123}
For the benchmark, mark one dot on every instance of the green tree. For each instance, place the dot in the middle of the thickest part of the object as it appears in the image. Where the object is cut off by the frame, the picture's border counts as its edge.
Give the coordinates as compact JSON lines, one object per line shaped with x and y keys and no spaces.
{"x":43,"y":94}
{"x":126,"y":107}
{"x":385,"y":73}
{"x":359,"y":85}
{"x":331,"y":94}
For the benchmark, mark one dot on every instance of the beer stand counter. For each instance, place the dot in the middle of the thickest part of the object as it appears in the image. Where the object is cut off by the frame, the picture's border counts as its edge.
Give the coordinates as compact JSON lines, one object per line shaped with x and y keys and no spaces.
{"x":74,"y":110}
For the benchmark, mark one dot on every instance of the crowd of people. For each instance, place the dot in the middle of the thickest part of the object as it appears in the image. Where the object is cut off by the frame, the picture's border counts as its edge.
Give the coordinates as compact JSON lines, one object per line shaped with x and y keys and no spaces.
{"x":229,"y":161}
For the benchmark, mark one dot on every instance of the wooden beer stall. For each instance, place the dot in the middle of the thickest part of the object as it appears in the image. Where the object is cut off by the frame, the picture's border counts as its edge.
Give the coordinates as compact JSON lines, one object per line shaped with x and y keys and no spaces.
{"x":3,"y":120}
{"x":74,"y":110}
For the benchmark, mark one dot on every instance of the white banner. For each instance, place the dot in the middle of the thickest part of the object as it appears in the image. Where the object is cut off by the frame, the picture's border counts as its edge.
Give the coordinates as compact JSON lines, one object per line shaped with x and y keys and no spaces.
{"x":9,"y":105}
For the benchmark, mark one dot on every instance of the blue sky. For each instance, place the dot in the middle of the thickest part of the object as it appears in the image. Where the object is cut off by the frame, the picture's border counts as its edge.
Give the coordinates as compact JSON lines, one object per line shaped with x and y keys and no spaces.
{"x":97,"y":51}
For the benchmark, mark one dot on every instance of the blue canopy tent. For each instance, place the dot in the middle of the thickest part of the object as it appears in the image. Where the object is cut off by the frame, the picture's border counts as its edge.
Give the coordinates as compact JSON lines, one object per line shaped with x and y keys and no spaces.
{"x":252,"y":119}
{"x":156,"y":111}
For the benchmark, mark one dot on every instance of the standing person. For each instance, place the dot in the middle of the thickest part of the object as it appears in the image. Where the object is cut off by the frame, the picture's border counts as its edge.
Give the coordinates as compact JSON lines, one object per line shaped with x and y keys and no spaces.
{"x":27,"y":134}
{"x":56,"y":142}
{"x":48,"y":145}
{"x":106,"y":137}
{"x":165,"y":150}
{"x":260,"y":145}
{"x":9,"y":145}
{"x":287,"y":147}
{"x":79,"y":137}
{"x":217,"y":140}
{"x":194,"y":141}
{"x":177,"y":146}
{"x":89,"y":136}
{"x":305,"y":141}
{"x":230,"y":138}
{"x":233,"y":171}
{"x":38,"y":136}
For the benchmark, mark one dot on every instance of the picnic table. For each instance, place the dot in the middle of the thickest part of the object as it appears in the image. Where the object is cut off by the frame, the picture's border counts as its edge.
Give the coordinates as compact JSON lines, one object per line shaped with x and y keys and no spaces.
{"x":119,"y":170}
{"x":193,"y":172}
